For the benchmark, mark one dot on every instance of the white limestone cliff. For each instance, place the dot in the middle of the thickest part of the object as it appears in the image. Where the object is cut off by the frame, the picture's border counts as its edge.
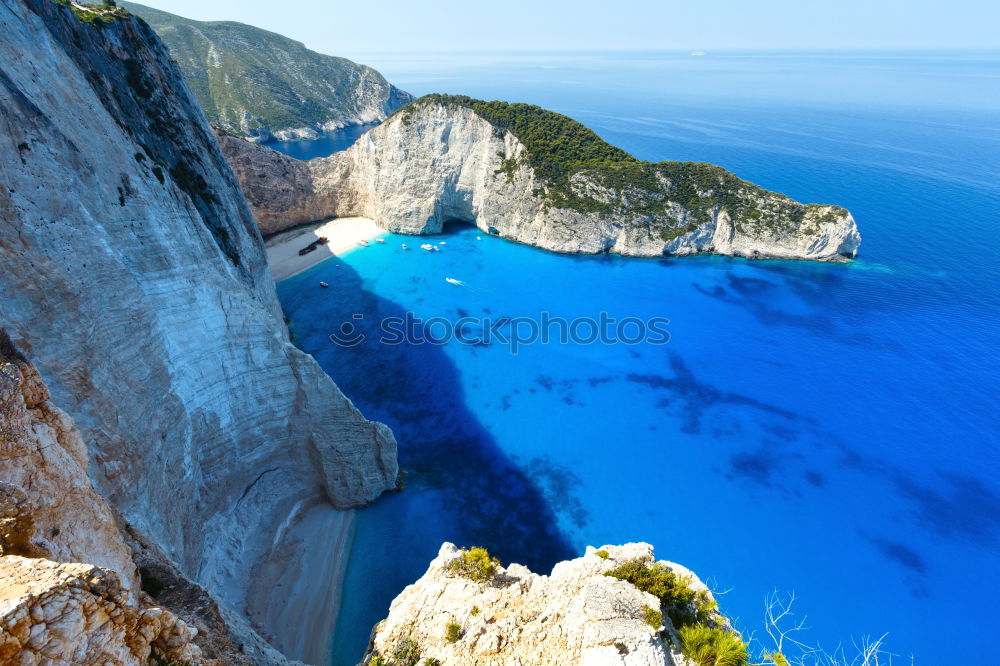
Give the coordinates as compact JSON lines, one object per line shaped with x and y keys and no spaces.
{"x":435,"y":161}
{"x":134,"y":278}
{"x":575,"y":615}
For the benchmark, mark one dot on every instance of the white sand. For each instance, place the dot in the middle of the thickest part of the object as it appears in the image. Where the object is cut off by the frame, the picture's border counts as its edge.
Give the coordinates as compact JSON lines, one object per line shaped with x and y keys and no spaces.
{"x":343,"y":232}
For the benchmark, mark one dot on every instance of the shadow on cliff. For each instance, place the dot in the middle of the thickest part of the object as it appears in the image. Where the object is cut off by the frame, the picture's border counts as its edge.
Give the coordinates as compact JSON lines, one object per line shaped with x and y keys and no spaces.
{"x":459,"y":485}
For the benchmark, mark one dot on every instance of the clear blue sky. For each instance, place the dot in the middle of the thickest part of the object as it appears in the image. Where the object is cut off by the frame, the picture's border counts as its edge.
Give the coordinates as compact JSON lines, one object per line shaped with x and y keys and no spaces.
{"x":346,"y":28}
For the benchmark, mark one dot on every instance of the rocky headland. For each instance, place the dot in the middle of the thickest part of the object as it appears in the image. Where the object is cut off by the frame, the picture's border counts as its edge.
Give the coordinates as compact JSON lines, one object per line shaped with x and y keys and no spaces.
{"x":264,"y":86}
{"x":533,"y":176}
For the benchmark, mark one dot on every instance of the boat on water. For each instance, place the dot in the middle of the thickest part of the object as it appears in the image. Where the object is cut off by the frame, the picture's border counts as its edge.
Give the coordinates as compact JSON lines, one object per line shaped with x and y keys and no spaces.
{"x":426,"y":246}
{"x":454,"y":281}
{"x":404,"y":247}
{"x":379,"y":240}
{"x":363,"y":242}
{"x":479,"y":238}
{"x":443,"y":243}
{"x":324,"y":285}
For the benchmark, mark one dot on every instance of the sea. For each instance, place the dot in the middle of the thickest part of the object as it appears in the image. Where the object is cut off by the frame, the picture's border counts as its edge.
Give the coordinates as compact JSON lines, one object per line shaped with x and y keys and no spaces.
{"x":824,"y":430}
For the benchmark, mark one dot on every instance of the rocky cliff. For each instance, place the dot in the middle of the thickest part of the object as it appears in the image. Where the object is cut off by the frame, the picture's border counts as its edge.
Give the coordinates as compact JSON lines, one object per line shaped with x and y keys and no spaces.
{"x":264,"y":86}
{"x":466,"y":610}
{"x":536,"y":177}
{"x":134,"y":278}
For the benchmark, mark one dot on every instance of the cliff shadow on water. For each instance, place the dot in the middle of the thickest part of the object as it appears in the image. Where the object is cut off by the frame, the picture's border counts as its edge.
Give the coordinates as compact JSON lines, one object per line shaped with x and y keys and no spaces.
{"x":458,"y":485}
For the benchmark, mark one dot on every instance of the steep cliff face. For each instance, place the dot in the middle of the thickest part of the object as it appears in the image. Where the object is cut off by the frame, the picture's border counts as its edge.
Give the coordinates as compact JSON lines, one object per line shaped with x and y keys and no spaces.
{"x":539,"y":178}
{"x":576,"y":615}
{"x":135,"y":279}
{"x":264,"y":86}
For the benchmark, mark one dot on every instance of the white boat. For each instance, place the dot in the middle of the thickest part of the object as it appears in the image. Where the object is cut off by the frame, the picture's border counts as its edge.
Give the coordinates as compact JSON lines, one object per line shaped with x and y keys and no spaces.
{"x":442,"y":243}
{"x":479,"y":238}
{"x":324,"y":285}
{"x":426,"y":246}
{"x":454,"y":281}
{"x":404,"y":247}
{"x":363,"y":242}
{"x":435,"y":248}
{"x":379,"y":240}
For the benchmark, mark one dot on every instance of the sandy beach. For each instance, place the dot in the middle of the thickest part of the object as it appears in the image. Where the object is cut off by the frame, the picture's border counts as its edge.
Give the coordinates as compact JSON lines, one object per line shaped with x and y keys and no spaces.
{"x":344,"y":234}
{"x":297,"y":593}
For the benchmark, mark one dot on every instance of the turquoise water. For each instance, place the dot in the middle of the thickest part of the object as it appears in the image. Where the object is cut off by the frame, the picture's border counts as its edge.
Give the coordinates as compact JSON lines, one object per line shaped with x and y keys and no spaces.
{"x":827,"y":429}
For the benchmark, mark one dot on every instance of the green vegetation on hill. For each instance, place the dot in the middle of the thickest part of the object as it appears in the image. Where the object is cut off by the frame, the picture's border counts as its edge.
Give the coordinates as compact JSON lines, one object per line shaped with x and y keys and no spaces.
{"x":567,"y":156}
{"x":251,"y":81}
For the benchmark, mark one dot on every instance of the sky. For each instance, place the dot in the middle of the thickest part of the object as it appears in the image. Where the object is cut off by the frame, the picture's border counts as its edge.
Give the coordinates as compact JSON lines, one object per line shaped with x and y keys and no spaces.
{"x":346,"y":28}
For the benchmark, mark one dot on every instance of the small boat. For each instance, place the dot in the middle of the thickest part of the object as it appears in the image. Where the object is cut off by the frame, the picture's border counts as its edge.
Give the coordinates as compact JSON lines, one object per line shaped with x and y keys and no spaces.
{"x":363,"y":242}
{"x":479,"y":238}
{"x":454,"y":281}
{"x":426,"y":246}
{"x":404,"y":247}
{"x":435,"y":248}
{"x":379,"y":240}
{"x":324,"y":285}
{"x":442,"y":243}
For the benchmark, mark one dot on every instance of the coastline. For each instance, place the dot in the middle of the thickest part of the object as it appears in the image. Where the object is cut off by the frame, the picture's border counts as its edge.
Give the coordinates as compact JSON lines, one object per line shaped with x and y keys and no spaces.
{"x":344,"y":234}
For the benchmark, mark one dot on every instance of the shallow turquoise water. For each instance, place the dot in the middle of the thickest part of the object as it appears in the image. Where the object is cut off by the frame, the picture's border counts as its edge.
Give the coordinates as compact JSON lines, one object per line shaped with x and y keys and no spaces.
{"x":827,"y":429}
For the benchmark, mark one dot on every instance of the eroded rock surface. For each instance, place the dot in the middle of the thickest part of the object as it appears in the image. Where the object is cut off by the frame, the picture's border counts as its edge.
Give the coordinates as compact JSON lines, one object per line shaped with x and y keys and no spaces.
{"x":575,"y":615}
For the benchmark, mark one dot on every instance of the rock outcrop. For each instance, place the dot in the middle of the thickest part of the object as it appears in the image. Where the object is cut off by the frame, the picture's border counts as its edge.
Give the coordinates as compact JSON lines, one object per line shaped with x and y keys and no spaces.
{"x":134,"y":278}
{"x":53,"y":613}
{"x":264,"y":86}
{"x":539,"y":178}
{"x":575,"y":615}
{"x":56,"y":606}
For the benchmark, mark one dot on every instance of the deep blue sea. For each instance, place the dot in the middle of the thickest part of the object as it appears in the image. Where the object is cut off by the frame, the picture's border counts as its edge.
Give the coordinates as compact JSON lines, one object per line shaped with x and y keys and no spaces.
{"x":827,"y":429}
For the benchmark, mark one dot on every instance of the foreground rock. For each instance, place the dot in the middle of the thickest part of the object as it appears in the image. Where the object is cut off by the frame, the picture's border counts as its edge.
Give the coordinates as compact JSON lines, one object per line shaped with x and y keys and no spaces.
{"x":576,"y":615}
{"x":135,"y":280}
{"x":535,"y":177}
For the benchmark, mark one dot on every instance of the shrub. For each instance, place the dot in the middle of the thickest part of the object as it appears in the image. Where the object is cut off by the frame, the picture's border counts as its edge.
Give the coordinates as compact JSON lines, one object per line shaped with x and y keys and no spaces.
{"x":432,"y":661}
{"x":475,"y":611}
{"x":603,"y":554}
{"x":673,"y":591}
{"x":475,"y":564}
{"x":377,"y":661}
{"x":406,"y":653}
{"x":710,"y":646}
{"x":654,"y":618}
{"x":452,"y":632}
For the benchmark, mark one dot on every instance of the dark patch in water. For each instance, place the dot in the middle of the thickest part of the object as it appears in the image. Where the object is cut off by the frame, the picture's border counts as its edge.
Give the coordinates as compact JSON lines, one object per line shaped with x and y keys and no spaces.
{"x":699,"y":397}
{"x":560,"y":485}
{"x":815,"y":478}
{"x":964,"y":507}
{"x":900,"y":554}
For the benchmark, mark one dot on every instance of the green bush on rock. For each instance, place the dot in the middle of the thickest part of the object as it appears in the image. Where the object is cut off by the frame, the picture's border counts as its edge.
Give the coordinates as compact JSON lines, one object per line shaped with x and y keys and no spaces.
{"x":712,"y":646}
{"x":475,"y":564}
